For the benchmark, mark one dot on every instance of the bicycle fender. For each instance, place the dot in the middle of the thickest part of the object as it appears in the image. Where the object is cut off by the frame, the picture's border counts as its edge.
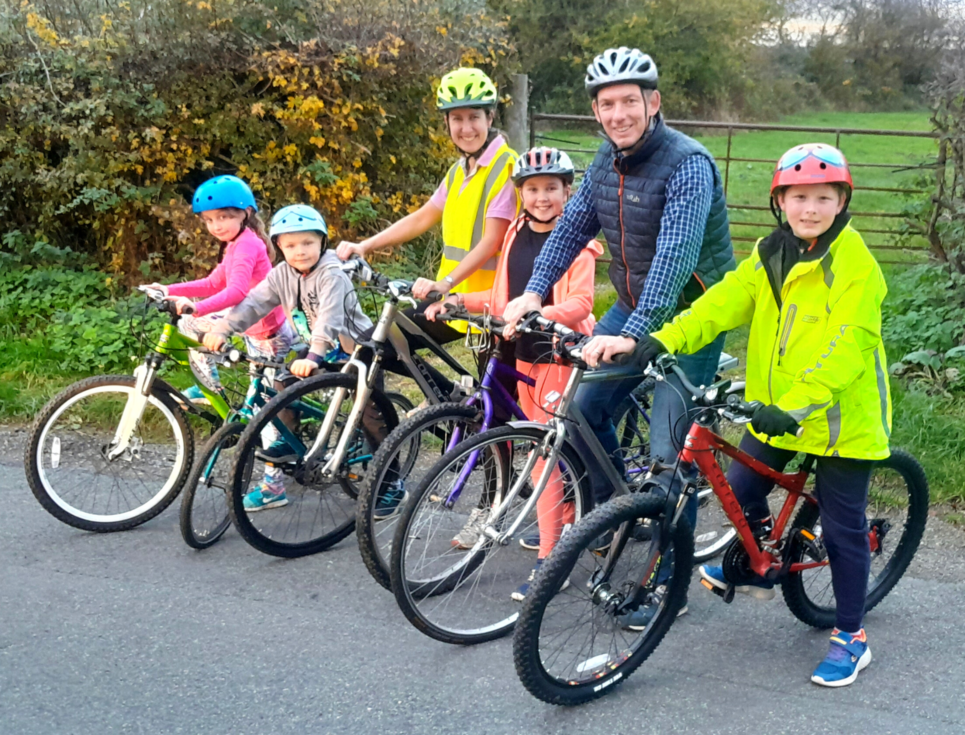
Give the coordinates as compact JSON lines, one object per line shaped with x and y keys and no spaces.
{"x":527,"y":425}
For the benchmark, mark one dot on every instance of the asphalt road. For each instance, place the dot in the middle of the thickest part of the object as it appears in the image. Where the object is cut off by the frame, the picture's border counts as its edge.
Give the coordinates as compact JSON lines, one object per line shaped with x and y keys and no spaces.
{"x":135,"y":632}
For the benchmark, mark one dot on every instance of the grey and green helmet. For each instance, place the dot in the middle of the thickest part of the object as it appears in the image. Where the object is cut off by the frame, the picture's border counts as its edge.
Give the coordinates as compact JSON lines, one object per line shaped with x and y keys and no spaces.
{"x":465,"y":87}
{"x":620,"y":66}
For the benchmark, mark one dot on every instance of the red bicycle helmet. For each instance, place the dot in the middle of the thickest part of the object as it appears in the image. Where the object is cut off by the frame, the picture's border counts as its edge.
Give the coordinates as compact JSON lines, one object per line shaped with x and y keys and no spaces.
{"x":812,"y":163}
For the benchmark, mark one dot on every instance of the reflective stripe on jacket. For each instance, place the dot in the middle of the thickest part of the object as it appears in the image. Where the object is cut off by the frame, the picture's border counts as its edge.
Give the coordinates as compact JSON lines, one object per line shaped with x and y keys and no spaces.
{"x":817,"y":353}
{"x":464,"y":216}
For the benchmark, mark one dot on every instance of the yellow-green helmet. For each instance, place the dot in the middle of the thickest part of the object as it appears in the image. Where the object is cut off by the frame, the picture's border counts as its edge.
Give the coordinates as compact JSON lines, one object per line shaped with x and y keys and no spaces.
{"x":465,"y":87}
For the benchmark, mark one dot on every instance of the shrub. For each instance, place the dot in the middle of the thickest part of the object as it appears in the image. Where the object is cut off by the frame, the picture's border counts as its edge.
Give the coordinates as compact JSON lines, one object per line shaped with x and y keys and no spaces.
{"x":74,"y":318}
{"x":925,"y":309}
{"x":107,"y":126}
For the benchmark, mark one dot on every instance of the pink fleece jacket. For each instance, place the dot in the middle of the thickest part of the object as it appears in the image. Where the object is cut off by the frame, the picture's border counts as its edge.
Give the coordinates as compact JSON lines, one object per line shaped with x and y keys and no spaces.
{"x":572,"y":294}
{"x":245,"y":264}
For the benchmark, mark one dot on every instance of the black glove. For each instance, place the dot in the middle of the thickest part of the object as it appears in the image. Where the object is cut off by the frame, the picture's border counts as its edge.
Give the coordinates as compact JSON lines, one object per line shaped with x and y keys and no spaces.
{"x":772,"y":421}
{"x":647,"y":350}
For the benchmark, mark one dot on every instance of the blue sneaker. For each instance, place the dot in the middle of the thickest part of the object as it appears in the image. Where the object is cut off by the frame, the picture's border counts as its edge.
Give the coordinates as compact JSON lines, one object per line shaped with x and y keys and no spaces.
{"x":278,"y":452}
{"x":762,"y":589}
{"x":195,"y":395}
{"x":265,"y":495}
{"x":530,"y":541}
{"x":390,"y":501}
{"x":640,"y":618}
{"x":848,"y":655}
{"x":520,"y":594}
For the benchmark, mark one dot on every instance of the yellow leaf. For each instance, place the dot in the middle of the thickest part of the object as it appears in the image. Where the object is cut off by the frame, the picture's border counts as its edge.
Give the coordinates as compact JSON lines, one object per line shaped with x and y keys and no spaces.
{"x":258,"y":109}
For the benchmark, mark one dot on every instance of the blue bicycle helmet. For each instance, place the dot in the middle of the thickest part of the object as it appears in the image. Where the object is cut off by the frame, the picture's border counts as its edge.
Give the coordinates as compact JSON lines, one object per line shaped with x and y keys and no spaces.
{"x":297,"y":218}
{"x":221,"y":192}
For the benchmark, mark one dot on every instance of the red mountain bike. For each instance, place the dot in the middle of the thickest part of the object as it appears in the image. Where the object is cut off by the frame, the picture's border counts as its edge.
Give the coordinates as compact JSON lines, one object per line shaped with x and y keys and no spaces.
{"x":570,"y":645}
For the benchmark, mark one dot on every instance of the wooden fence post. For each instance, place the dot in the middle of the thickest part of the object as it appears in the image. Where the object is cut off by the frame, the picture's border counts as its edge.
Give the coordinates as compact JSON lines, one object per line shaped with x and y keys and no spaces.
{"x":517,"y":114}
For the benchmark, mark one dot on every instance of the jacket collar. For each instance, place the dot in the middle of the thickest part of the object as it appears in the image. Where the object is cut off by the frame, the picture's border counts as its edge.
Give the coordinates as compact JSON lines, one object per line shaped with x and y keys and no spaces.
{"x":624,"y":161}
{"x":771,"y":247}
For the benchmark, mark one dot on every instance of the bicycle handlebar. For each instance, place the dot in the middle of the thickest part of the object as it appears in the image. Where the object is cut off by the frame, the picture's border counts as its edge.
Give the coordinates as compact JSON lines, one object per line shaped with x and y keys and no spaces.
{"x":229,"y":355}
{"x":398,"y":289}
{"x":738,"y":411}
{"x":159,"y":301}
{"x":486,"y":322}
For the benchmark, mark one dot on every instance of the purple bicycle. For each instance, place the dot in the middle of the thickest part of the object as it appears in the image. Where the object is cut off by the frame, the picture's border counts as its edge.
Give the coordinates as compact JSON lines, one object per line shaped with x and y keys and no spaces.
{"x":421,"y":439}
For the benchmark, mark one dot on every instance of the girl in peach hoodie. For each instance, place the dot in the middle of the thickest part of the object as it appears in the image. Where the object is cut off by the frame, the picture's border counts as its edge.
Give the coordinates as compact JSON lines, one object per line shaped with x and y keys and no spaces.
{"x":543,"y":177}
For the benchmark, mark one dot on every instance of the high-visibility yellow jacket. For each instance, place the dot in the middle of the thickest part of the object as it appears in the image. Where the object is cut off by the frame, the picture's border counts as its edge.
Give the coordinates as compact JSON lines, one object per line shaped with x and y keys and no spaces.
{"x":815,"y":351}
{"x":464,"y":216}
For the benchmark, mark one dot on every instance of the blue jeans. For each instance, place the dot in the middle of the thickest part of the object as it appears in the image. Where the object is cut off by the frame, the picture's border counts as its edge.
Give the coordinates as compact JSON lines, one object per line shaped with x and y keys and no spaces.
{"x":669,"y":417}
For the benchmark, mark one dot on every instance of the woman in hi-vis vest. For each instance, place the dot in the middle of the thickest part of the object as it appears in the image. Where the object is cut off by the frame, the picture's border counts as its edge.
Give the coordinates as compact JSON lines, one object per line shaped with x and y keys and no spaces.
{"x":475,"y":202}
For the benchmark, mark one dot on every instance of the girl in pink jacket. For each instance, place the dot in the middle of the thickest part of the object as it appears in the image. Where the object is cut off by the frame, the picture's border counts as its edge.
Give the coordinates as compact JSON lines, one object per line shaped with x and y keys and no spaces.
{"x":228,"y":209}
{"x":543,"y":176}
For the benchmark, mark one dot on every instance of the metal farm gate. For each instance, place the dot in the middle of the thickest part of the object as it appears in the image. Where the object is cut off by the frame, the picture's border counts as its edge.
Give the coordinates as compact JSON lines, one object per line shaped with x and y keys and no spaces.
{"x":747,"y":164}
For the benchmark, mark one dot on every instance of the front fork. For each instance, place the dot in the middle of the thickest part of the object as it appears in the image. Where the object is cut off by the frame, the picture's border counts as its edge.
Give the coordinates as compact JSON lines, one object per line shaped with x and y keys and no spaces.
{"x":134,"y":409}
{"x":603,"y":595}
{"x":550,"y":454}
{"x":363,"y":392}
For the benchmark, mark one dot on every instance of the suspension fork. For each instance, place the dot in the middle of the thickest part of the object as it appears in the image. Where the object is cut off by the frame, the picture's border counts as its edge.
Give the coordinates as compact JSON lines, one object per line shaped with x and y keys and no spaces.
{"x":135,"y":406}
{"x":363,"y":392}
{"x":550,"y":454}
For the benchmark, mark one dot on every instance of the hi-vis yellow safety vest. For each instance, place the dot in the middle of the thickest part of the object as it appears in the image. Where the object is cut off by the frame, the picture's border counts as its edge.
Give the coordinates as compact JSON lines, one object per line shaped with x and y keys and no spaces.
{"x":464,"y":217}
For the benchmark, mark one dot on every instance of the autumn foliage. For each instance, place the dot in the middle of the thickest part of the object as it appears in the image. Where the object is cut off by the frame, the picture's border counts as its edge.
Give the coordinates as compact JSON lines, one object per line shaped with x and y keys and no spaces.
{"x":109,"y":120}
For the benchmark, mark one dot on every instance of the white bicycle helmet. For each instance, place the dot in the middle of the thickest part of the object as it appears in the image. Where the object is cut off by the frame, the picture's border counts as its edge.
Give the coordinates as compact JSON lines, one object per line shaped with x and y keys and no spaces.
{"x":543,"y":161}
{"x":297,"y":218}
{"x":620,"y":66}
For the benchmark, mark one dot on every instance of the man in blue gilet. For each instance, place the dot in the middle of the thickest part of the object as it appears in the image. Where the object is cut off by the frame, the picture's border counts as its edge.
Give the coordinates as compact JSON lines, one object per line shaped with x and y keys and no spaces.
{"x":658,"y":197}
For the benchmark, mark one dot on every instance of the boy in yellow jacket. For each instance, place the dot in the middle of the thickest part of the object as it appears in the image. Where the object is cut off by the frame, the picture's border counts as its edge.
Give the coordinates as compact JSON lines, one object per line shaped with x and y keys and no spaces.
{"x":812,"y":293}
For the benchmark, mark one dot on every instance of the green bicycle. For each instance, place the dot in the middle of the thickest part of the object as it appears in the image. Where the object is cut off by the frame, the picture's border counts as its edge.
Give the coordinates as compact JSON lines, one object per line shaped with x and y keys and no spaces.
{"x":113,"y":451}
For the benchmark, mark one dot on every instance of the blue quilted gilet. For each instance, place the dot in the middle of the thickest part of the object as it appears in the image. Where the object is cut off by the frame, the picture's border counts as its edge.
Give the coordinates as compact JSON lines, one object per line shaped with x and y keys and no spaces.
{"x":629,"y":193}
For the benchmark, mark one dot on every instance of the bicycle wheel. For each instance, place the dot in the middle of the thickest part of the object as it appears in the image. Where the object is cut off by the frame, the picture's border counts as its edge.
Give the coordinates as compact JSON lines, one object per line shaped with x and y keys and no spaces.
{"x":404,"y":457}
{"x":570,"y":643}
{"x":317,"y":512}
{"x":67,"y":457}
{"x":403,"y":406}
{"x":454,"y":592}
{"x":897,"y":509}
{"x":204,"y":505}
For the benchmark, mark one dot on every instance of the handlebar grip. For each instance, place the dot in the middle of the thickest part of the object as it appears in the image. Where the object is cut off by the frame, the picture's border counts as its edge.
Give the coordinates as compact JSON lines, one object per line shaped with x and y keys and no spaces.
{"x":434,"y":295}
{"x":624,"y":358}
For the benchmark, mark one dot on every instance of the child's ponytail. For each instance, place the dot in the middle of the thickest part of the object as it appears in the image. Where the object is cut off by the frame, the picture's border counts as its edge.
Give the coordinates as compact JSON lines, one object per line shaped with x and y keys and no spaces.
{"x":257,"y":225}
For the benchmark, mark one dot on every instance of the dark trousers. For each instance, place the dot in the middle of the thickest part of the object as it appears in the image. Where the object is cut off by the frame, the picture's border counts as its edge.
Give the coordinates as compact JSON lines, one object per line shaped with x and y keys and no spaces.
{"x":841,"y":486}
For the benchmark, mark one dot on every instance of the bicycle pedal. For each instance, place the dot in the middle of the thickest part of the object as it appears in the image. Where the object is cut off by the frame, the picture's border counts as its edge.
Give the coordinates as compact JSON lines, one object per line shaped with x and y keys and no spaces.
{"x":813,"y":546}
{"x":727,"y":595}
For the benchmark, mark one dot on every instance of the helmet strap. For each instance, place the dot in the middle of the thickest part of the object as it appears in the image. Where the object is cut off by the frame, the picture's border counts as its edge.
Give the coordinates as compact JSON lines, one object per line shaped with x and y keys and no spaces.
{"x":537,"y":219}
{"x":776,"y":211}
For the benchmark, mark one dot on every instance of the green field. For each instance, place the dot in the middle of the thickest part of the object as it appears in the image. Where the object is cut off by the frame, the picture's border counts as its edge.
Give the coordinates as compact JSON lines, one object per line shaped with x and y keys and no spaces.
{"x":749,"y":183}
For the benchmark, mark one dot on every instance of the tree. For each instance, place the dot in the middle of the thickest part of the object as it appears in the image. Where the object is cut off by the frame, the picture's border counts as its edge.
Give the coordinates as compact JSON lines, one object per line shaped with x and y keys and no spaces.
{"x":701,"y":46}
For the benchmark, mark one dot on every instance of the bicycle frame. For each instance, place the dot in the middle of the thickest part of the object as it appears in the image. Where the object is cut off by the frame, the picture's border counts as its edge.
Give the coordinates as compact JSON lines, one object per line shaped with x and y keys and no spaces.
{"x":557,"y":431}
{"x":171,"y":345}
{"x":699,"y":448}
{"x":388,"y":330}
